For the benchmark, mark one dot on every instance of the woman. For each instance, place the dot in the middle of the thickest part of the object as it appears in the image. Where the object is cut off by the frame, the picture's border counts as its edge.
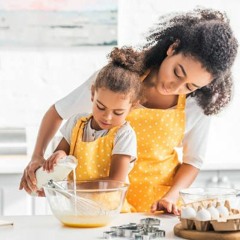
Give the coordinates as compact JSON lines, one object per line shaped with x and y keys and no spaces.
{"x":186,"y":77}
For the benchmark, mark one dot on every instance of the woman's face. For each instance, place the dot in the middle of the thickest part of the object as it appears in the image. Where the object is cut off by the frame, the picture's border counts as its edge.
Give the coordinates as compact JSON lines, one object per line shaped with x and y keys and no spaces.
{"x":179,"y":74}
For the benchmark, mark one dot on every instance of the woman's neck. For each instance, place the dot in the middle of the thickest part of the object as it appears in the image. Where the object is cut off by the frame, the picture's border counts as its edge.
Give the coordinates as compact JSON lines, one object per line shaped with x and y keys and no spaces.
{"x":154,"y":99}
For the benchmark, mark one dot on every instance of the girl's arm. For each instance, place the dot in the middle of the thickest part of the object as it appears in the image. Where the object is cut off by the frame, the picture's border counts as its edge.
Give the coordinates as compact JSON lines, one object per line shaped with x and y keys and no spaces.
{"x":61,"y":151}
{"x":49,"y":126}
{"x":119,"y":167}
{"x":183,"y":179}
{"x":124,"y":153}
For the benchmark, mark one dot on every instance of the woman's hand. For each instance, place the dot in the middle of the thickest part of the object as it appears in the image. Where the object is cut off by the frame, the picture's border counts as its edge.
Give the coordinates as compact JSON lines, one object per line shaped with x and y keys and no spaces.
{"x":28,"y":181}
{"x":165,"y":205}
{"x":49,"y":164}
{"x":184,"y":178}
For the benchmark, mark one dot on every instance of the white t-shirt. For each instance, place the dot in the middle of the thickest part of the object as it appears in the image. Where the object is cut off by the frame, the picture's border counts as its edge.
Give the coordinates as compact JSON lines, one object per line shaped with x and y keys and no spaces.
{"x":125,"y":141}
{"x":196,"y":130}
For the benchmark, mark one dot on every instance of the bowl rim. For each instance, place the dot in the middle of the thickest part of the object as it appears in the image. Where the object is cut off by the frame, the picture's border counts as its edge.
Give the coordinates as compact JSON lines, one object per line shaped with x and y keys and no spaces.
{"x":123,"y":187}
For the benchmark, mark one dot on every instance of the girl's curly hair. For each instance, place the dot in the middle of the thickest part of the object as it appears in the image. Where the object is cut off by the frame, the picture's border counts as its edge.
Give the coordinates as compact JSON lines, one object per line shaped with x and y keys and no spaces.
{"x":122,"y":73}
{"x":206,"y":35}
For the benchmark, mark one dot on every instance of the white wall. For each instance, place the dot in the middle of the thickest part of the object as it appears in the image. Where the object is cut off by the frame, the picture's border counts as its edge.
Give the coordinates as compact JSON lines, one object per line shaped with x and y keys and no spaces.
{"x":135,"y":19}
{"x":32,"y":79}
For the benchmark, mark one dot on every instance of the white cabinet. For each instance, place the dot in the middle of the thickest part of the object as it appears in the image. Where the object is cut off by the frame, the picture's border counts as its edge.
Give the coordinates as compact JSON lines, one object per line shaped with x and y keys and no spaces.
{"x":16,"y":202}
{"x":13,"y":201}
{"x":218,"y":178}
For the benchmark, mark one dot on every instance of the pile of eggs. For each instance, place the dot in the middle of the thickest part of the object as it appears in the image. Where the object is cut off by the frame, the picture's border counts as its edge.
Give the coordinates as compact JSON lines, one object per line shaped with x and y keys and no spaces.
{"x":201,"y":218}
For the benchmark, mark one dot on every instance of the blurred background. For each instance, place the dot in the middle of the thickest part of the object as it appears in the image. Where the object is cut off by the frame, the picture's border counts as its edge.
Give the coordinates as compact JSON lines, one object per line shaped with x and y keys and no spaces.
{"x":48,"y":48}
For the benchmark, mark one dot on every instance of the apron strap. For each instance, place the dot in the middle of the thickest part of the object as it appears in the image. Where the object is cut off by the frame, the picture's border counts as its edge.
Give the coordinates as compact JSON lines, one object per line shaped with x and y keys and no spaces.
{"x":142,"y":78}
{"x":80,"y":126}
{"x":181,"y":101}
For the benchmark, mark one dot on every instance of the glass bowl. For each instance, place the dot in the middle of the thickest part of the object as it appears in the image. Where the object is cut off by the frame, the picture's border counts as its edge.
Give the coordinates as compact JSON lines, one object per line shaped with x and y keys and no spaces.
{"x":86,"y":203}
{"x":194,"y":194}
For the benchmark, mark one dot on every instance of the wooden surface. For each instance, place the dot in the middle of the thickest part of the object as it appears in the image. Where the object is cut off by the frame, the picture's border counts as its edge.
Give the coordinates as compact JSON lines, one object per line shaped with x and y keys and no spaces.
{"x":211,"y":235}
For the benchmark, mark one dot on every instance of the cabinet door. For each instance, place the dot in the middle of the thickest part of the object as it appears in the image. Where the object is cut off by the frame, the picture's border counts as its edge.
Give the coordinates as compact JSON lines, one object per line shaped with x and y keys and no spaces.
{"x":231,"y":178}
{"x":218,"y":178}
{"x":206,"y":179}
{"x":14,"y":201}
{"x":40,"y":206}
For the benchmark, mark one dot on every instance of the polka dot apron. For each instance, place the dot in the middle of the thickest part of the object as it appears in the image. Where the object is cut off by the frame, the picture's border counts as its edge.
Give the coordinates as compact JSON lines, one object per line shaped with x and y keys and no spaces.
{"x":158,"y":133}
{"x":94,"y":158}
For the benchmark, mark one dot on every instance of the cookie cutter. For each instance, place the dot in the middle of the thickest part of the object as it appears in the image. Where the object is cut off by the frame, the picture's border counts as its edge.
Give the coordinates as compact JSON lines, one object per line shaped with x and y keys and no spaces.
{"x":150,"y":221}
{"x":109,"y":234}
{"x":148,"y":229}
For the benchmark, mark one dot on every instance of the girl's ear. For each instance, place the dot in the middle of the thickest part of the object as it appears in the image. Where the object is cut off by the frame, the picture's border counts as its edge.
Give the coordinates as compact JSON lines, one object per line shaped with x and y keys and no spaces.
{"x":92,"y":92}
{"x":172,"y":48}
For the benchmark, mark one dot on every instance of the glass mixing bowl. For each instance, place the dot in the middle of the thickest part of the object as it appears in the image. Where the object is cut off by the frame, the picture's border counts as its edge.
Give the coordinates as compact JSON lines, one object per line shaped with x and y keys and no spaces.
{"x":86,"y":203}
{"x":194,"y":194}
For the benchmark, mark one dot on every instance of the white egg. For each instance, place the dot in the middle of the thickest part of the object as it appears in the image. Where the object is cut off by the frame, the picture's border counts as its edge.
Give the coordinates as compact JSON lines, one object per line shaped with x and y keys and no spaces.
{"x":214,"y":212}
{"x":223,"y":211}
{"x":188,"y":213}
{"x":203,"y":215}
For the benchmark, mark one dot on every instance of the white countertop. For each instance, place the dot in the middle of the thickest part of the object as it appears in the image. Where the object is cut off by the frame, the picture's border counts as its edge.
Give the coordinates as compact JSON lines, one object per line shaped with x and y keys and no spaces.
{"x":48,"y":227}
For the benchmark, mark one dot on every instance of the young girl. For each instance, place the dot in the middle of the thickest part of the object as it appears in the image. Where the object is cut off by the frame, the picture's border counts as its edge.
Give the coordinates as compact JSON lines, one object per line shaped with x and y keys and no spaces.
{"x":187,"y":64}
{"x":103,"y":142}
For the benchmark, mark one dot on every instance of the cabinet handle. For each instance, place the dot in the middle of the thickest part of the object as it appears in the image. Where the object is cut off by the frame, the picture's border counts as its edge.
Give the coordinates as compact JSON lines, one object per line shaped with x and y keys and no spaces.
{"x":225,"y":182}
{"x":212,"y":182}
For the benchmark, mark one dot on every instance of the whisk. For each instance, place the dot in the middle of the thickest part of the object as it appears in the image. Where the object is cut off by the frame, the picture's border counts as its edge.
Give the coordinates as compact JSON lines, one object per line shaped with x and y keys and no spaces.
{"x":83,"y":206}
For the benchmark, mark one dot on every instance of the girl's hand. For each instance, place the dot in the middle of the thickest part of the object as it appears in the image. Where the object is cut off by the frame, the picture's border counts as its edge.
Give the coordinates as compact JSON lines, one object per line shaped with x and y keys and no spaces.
{"x":49,"y":164}
{"x":165,"y":205}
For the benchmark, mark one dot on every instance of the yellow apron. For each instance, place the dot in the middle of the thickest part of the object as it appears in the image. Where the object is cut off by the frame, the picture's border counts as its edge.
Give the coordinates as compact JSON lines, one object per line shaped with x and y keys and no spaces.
{"x":158,"y":133}
{"x":94,"y":158}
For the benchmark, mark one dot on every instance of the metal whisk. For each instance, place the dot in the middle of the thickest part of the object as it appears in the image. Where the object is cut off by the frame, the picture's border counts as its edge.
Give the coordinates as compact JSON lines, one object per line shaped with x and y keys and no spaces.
{"x":81,"y":205}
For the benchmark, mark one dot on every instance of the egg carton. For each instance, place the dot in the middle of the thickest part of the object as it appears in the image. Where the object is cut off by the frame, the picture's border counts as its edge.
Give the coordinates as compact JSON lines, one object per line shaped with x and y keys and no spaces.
{"x":229,"y":223}
{"x":220,"y":225}
{"x":190,"y":224}
{"x":232,"y":223}
{"x":203,"y":203}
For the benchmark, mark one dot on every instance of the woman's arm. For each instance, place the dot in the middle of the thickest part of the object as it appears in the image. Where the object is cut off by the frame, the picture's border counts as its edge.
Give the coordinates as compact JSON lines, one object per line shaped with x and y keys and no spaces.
{"x":194,"y":149}
{"x":183,"y":179}
{"x":49,"y":126}
{"x":78,"y":100}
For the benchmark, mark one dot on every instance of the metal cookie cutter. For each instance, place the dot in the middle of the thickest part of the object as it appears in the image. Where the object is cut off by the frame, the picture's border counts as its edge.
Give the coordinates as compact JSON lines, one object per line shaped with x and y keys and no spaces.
{"x":148,"y":229}
{"x":109,"y":234}
{"x":160,"y":233}
{"x":150,"y":221}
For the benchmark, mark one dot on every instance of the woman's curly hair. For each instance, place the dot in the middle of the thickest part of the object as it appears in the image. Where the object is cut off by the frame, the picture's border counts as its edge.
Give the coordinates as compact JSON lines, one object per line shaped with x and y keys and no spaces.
{"x":122,"y":73}
{"x":206,"y":35}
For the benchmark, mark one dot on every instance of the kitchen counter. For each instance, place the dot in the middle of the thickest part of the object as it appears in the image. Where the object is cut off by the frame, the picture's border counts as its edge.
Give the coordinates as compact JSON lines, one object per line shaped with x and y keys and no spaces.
{"x":48,"y":227}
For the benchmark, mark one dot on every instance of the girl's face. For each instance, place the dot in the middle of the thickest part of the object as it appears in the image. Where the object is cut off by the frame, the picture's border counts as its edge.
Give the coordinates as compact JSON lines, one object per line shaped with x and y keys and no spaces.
{"x":179,"y":74}
{"x":109,"y":108}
